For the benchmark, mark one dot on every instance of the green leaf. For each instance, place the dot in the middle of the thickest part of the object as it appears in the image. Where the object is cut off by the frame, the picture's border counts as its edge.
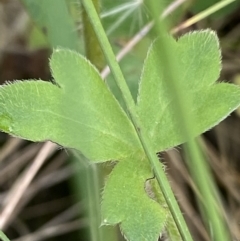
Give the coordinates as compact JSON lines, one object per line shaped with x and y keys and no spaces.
{"x":77,"y":112}
{"x":125,"y":201}
{"x":198,"y":59}
{"x":58,"y":26}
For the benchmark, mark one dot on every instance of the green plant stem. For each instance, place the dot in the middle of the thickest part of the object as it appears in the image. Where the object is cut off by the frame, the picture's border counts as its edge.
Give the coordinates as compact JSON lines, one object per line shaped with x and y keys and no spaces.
{"x":87,"y":179}
{"x":95,"y":180}
{"x":94,"y":54}
{"x":198,"y":166}
{"x":92,"y":48}
{"x":3,"y":236}
{"x":129,"y":102}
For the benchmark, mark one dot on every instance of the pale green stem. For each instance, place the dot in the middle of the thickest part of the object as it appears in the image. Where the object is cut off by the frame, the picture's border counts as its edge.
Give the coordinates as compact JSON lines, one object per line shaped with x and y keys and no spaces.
{"x":214,"y":8}
{"x":198,"y":166}
{"x":130,"y":104}
{"x":95,"y":55}
{"x":3,"y":236}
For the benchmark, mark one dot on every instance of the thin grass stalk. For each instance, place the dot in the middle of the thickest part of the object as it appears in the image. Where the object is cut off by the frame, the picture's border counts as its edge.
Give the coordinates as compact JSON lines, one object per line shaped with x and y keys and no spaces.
{"x":129,"y":102}
{"x":200,"y":16}
{"x":3,"y":236}
{"x":96,"y":175}
{"x":197,"y":165}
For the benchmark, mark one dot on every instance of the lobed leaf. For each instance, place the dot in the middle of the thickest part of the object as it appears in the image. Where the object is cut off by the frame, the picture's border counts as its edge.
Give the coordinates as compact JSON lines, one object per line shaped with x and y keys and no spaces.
{"x":198,"y":59}
{"x":125,"y":201}
{"x":77,"y":112}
